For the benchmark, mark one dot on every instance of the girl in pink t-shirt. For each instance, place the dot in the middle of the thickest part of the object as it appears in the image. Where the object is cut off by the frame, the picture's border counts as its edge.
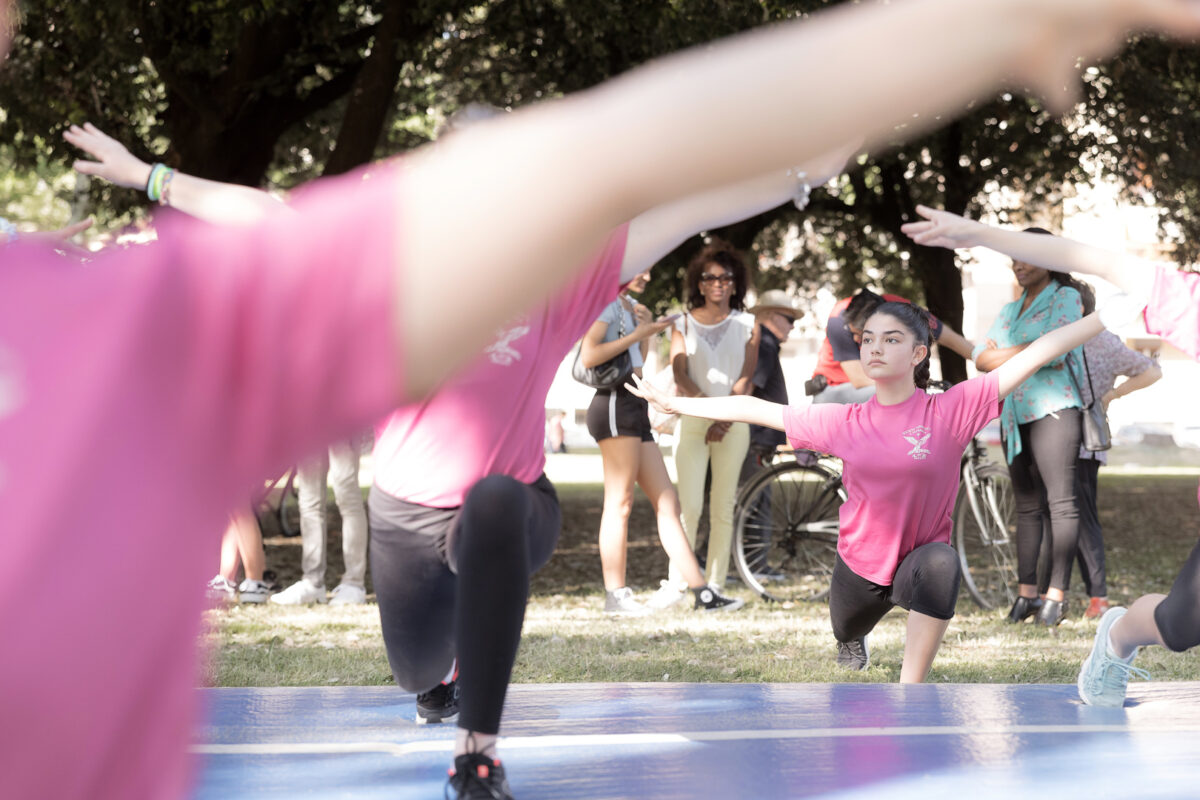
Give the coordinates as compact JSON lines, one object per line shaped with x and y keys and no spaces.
{"x":900,"y":452}
{"x":1171,"y":300}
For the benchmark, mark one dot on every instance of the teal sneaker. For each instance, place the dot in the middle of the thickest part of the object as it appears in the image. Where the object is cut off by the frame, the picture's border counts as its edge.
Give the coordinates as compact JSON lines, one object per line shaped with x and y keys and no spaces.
{"x":1104,"y":677}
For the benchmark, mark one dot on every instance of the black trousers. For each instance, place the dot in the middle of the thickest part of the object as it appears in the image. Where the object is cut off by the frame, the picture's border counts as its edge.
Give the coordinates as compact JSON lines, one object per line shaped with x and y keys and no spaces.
{"x":1091,"y":534}
{"x":455,"y":581}
{"x":1043,"y":476}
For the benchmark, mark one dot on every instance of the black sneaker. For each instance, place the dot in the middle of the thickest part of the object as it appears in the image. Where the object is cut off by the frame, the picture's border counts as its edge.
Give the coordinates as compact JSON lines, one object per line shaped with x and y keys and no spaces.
{"x":853,"y":654}
{"x":477,"y":777}
{"x":439,"y":704}
{"x":709,"y":599}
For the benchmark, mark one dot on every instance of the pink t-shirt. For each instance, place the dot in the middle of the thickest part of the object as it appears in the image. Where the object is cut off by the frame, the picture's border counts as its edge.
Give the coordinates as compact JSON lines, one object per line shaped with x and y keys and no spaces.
{"x":143,"y":396}
{"x":900,"y":467}
{"x":1174,"y":309}
{"x":1174,"y":312}
{"x":491,"y":419}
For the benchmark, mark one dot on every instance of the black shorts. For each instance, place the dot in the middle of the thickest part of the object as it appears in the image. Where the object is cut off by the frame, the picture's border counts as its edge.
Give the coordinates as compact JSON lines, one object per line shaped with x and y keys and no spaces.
{"x":616,"y":412}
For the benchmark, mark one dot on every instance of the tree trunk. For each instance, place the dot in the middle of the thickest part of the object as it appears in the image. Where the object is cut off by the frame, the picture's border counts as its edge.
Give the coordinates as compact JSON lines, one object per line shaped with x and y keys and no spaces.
{"x":205,"y":145}
{"x":373,"y":96}
{"x":943,"y":292}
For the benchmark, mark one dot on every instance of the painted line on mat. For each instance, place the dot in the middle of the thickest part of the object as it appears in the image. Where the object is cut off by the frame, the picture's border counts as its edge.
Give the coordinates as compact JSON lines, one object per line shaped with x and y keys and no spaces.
{"x":559,"y":741}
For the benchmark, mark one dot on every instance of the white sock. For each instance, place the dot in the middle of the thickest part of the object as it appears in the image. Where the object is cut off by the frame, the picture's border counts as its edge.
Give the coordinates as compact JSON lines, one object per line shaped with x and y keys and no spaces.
{"x":450,"y":675}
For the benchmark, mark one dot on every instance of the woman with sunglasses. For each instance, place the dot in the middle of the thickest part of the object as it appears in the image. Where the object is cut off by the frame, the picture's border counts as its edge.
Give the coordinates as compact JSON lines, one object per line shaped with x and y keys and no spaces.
{"x":713,"y":352}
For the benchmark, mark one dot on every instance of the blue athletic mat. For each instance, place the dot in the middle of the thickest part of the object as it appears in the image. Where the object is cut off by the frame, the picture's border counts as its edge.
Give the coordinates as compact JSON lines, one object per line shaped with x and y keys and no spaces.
{"x":720,"y":741}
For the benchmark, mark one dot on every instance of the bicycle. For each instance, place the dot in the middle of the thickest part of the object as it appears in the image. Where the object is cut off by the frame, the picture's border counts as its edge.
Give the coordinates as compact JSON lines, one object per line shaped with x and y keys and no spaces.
{"x":278,"y":501}
{"x":786,"y":528}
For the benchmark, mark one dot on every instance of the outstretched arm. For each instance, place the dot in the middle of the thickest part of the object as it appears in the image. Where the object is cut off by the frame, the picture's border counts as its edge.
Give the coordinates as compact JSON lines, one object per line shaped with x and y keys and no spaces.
{"x":1044,"y":349}
{"x":219,"y":203}
{"x":734,"y":408}
{"x":655,"y":233}
{"x":945,"y":229}
{"x":540,"y":189}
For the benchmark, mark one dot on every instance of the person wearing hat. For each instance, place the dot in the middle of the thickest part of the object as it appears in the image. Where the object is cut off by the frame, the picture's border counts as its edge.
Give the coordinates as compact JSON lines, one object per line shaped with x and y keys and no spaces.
{"x":775,"y":312}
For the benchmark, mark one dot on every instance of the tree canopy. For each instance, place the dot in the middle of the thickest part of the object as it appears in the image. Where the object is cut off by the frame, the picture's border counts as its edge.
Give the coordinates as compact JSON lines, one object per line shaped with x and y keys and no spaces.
{"x":276,"y":92}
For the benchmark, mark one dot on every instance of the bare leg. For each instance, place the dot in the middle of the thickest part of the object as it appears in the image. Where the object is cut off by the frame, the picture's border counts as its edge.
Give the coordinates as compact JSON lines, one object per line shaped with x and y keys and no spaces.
{"x":231,"y":560}
{"x":923,"y":637}
{"x":652,"y":476}
{"x":1137,"y":628}
{"x":249,"y":544}
{"x":619,"y":455}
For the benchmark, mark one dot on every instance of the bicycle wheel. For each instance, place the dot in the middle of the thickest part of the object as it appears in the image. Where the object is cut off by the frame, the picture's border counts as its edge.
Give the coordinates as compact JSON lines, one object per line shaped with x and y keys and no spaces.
{"x":289,"y":506}
{"x":985,"y":535}
{"x":786,"y":529}
{"x":278,"y":504}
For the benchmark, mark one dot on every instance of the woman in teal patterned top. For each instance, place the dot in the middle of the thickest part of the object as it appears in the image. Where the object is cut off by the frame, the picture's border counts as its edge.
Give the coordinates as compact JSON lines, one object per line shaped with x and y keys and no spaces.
{"x":1040,"y":428}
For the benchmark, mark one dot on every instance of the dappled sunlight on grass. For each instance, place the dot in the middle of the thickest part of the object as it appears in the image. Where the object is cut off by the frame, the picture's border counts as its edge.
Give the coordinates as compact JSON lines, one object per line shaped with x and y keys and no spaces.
{"x":1150,"y":525}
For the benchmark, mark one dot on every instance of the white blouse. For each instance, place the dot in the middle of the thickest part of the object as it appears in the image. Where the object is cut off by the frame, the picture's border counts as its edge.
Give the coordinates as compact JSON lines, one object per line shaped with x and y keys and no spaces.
{"x":716,"y":353}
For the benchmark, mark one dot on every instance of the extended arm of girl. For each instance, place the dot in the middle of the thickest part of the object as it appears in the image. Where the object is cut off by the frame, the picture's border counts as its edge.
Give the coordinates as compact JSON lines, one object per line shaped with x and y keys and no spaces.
{"x":1045,"y":349}
{"x":211,"y":201}
{"x":734,"y":408}
{"x":944,"y":229}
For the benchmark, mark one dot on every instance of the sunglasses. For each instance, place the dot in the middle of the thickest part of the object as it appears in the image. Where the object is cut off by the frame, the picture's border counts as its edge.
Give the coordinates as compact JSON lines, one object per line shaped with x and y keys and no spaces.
{"x":790,"y":320}
{"x":710,"y":278}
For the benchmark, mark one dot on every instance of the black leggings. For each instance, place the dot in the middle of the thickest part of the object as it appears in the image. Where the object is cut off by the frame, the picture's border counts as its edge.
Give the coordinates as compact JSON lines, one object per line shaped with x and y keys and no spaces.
{"x":1178,"y":617}
{"x":926,"y":582}
{"x":1043,"y":476}
{"x":455,"y":582}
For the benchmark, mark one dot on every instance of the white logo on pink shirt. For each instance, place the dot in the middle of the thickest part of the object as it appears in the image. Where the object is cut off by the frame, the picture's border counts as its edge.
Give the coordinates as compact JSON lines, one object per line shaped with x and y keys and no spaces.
{"x":918,"y":437}
{"x":502,"y":352}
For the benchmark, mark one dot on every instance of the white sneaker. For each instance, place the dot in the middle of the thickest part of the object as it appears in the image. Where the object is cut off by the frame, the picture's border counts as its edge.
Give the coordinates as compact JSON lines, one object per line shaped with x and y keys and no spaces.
{"x":221,"y":590}
{"x":300,"y":593}
{"x":668,"y":594}
{"x":253,"y":591}
{"x":347,"y":594}
{"x":620,"y":603}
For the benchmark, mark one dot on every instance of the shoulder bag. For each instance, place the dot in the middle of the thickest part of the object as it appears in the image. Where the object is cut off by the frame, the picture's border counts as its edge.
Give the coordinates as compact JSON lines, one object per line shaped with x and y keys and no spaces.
{"x":1096,"y":434}
{"x":611,"y":373}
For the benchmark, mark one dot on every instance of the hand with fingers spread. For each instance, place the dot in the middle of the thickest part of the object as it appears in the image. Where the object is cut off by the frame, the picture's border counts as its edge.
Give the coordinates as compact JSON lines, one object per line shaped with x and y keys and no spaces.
{"x":661,"y":401}
{"x":113,"y":162}
{"x":944,"y":229}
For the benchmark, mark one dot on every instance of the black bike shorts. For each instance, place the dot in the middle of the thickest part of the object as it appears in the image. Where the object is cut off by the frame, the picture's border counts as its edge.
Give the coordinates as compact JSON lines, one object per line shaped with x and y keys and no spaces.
{"x":616,"y":412}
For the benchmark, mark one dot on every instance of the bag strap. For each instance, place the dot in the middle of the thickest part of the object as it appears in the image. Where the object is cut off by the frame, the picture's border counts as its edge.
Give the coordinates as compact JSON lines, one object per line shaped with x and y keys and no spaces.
{"x":621,"y":316}
{"x":1087,"y":372}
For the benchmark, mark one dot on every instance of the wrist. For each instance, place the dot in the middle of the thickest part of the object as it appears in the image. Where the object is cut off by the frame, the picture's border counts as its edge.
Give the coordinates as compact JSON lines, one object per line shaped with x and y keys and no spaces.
{"x":140,"y":176}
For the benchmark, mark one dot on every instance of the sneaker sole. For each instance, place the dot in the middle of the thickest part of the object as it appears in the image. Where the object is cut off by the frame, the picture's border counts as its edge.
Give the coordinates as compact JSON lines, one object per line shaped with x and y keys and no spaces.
{"x":435,"y":720}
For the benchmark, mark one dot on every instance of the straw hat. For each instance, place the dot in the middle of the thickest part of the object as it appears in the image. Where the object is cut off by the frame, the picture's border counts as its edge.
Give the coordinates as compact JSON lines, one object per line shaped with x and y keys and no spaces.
{"x":776,"y":300}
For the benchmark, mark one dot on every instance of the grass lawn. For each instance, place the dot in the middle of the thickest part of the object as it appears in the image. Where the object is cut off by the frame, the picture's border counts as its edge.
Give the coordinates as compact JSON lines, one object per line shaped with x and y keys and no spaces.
{"x":1150,"y":522}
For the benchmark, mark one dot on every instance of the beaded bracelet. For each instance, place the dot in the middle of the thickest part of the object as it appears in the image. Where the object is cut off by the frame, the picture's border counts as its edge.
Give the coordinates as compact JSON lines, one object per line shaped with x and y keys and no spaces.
{"x":158,"y":177}
{"x":165,"y":187}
